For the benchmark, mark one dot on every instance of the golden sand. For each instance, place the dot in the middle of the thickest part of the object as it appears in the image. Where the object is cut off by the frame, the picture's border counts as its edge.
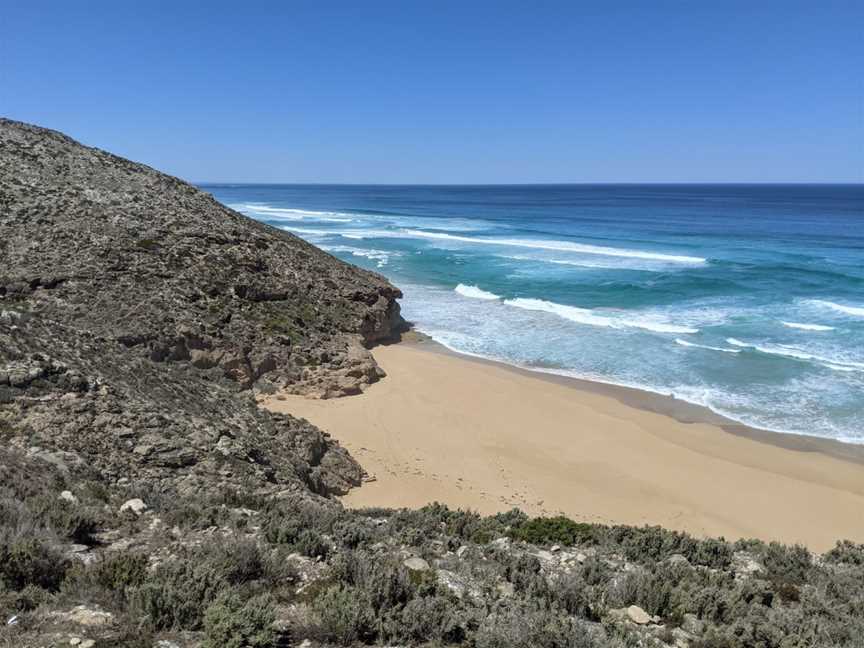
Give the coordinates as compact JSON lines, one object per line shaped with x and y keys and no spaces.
{"x":480,"y":435}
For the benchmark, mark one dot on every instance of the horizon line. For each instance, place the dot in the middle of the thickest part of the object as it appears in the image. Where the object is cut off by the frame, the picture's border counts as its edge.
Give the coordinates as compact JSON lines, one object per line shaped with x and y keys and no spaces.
{"x":204,"y":183}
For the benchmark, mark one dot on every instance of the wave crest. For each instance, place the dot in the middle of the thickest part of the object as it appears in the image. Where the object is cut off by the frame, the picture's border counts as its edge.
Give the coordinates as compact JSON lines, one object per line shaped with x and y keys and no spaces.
{"x":807,"y":327}
{"x":589,"y":317}
{"x":685,"y":343}
{"x":857,"y":311}
{"x":475,"y":292}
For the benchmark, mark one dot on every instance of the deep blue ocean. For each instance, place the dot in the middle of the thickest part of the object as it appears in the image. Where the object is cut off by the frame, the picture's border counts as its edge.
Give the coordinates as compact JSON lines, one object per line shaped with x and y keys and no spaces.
{"x":748,"y":299}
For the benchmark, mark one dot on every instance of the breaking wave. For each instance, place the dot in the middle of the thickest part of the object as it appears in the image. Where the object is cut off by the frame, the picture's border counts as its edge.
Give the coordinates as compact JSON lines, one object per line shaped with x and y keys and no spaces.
{"x":591,"y":318}
{"x":857,"y":311}
{"x":685,"y":343}
{"x":808,"y":327}
{"x":798,"y":354}
{"x":475,"y":292}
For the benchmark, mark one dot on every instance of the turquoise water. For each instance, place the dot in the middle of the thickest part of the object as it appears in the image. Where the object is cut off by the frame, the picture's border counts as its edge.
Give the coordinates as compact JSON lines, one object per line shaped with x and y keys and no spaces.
{"x":746,"y":299}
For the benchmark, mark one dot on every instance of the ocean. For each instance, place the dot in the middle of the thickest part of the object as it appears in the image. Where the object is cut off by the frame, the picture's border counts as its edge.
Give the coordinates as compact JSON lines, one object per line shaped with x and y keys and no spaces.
{"x":747,"y":299}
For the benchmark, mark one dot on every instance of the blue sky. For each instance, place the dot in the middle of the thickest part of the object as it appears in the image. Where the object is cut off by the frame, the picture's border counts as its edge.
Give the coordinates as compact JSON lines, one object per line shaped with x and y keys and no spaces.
{"x":448,"y":92}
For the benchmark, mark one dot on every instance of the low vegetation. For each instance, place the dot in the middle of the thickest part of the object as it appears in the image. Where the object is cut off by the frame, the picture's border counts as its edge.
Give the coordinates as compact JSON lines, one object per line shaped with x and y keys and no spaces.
{"x":238,"y":571}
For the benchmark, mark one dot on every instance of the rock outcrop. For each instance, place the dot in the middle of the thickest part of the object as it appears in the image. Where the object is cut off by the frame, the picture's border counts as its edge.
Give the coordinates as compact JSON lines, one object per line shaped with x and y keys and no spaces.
{"x":139,"y":317}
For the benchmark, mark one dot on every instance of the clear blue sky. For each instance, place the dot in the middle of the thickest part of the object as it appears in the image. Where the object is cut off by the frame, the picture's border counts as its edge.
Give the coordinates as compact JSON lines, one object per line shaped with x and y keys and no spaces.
{"x":430,"y":92}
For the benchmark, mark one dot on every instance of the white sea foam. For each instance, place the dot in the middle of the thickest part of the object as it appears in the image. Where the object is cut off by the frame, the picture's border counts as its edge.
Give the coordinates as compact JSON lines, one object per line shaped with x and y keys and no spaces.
{"x":608,"y":263}
{"x":808,"y":327}
{"x":307,"y":230}
{"x":561,"y":246}
{"x":798,"y":354}
{"x":685,"y":343}
{"x":857,"y":311}
{"x":592,"y":318}
{"x":280,"y":213}
{"x":475,"y":292}
{"x":382,"y":257}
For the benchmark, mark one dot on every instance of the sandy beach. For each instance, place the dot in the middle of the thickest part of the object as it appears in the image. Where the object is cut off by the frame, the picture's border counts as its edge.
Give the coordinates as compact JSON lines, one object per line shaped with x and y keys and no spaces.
{"x":482,"y":435}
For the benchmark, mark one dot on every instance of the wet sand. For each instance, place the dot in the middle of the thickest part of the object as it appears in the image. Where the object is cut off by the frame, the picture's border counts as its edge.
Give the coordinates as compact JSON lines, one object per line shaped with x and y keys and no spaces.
{"x":482,"y":435}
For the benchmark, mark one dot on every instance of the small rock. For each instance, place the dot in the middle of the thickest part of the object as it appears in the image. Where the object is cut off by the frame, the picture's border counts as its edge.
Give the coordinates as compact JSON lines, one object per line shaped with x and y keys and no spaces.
{"x":677,"y":559}
{"x":74,"y":641}
{"x":164,"y":643}
{"x":82,"y":615}
{"x":68,"y":496}
{"x":77,"y":548}
{"x":555,"y":548}
{"x":637,"y":615}
{"x":461,"y":551}
{"x":87,"y":643}
{"x":416,"y":564}
{"x":692,"y":624}
{"x":136,"y":506}
{"x":581,"y":557}
{"x":744,"y":564}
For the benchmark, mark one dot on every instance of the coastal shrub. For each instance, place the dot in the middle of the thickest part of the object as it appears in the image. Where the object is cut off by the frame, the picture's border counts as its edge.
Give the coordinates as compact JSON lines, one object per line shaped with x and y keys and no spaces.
{"x":70,"y":521}
{"x":30,"y":562}
{"x":108,"y":579}
{"x":352,"y":533}
{"x":343,"y":615}
{"x":786,"y":565}
{"x":555,"y":530}
{"x":311,"y":543}
{"x":29,"y":598}
{"x":846,"y":552}
{"x":524,"y":624}
{"x":651,"y":544}
{"x":175,"y":596}
{"x":574,"y":595}
{"x":230,"y":622}
{"x":237,"y":560}
{"x":429,"y":619}
{"x":282,"y":530}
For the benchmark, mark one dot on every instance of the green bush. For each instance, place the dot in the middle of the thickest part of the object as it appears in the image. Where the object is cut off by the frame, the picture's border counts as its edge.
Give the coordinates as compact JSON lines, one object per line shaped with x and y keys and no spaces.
{"x":524,"y":624}
{"x":119,"y":571}
{"x":239,"y":561}
{"x":282,"y":530}
{"x":229,"y":622}
{"x":427,"y":619}
{"x":29,"y":562}
{"x":555,"y":530}
{"x":311,"y":543}
{"x":343,"y":616}
{"x":846,"y":552}
{"x":175,"y":596}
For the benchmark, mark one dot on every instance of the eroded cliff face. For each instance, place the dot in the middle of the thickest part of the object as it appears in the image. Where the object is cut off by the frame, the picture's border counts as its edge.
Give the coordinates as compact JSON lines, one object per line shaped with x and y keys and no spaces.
{"x":140,"y":317}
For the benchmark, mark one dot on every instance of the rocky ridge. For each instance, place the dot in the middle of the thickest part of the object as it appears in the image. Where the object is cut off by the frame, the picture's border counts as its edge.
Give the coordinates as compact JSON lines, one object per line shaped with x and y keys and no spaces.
{"x":139,"y":317}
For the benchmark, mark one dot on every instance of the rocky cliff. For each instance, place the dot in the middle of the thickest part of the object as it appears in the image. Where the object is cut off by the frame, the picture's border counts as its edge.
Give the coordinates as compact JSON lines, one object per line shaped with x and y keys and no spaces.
{"x":140,"y":316}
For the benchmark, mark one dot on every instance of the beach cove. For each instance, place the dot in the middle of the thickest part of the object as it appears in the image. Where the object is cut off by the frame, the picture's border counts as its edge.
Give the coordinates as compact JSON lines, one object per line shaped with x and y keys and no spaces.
{"x":487,"y":436}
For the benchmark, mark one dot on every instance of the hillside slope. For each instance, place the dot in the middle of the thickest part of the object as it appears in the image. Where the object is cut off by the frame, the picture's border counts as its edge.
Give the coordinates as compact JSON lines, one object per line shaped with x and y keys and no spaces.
{"x":139,"y":316}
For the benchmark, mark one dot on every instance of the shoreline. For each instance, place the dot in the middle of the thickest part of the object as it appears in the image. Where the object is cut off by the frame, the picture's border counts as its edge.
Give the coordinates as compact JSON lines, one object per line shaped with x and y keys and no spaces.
{"x":678,"y":409}
{"x":487,"y":436}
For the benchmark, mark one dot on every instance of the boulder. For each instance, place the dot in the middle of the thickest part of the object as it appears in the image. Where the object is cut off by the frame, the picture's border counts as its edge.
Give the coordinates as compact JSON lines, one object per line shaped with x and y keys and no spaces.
{"x":135,"y":506}
{"x":638,"y":616}
{"x":416,"y":564}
